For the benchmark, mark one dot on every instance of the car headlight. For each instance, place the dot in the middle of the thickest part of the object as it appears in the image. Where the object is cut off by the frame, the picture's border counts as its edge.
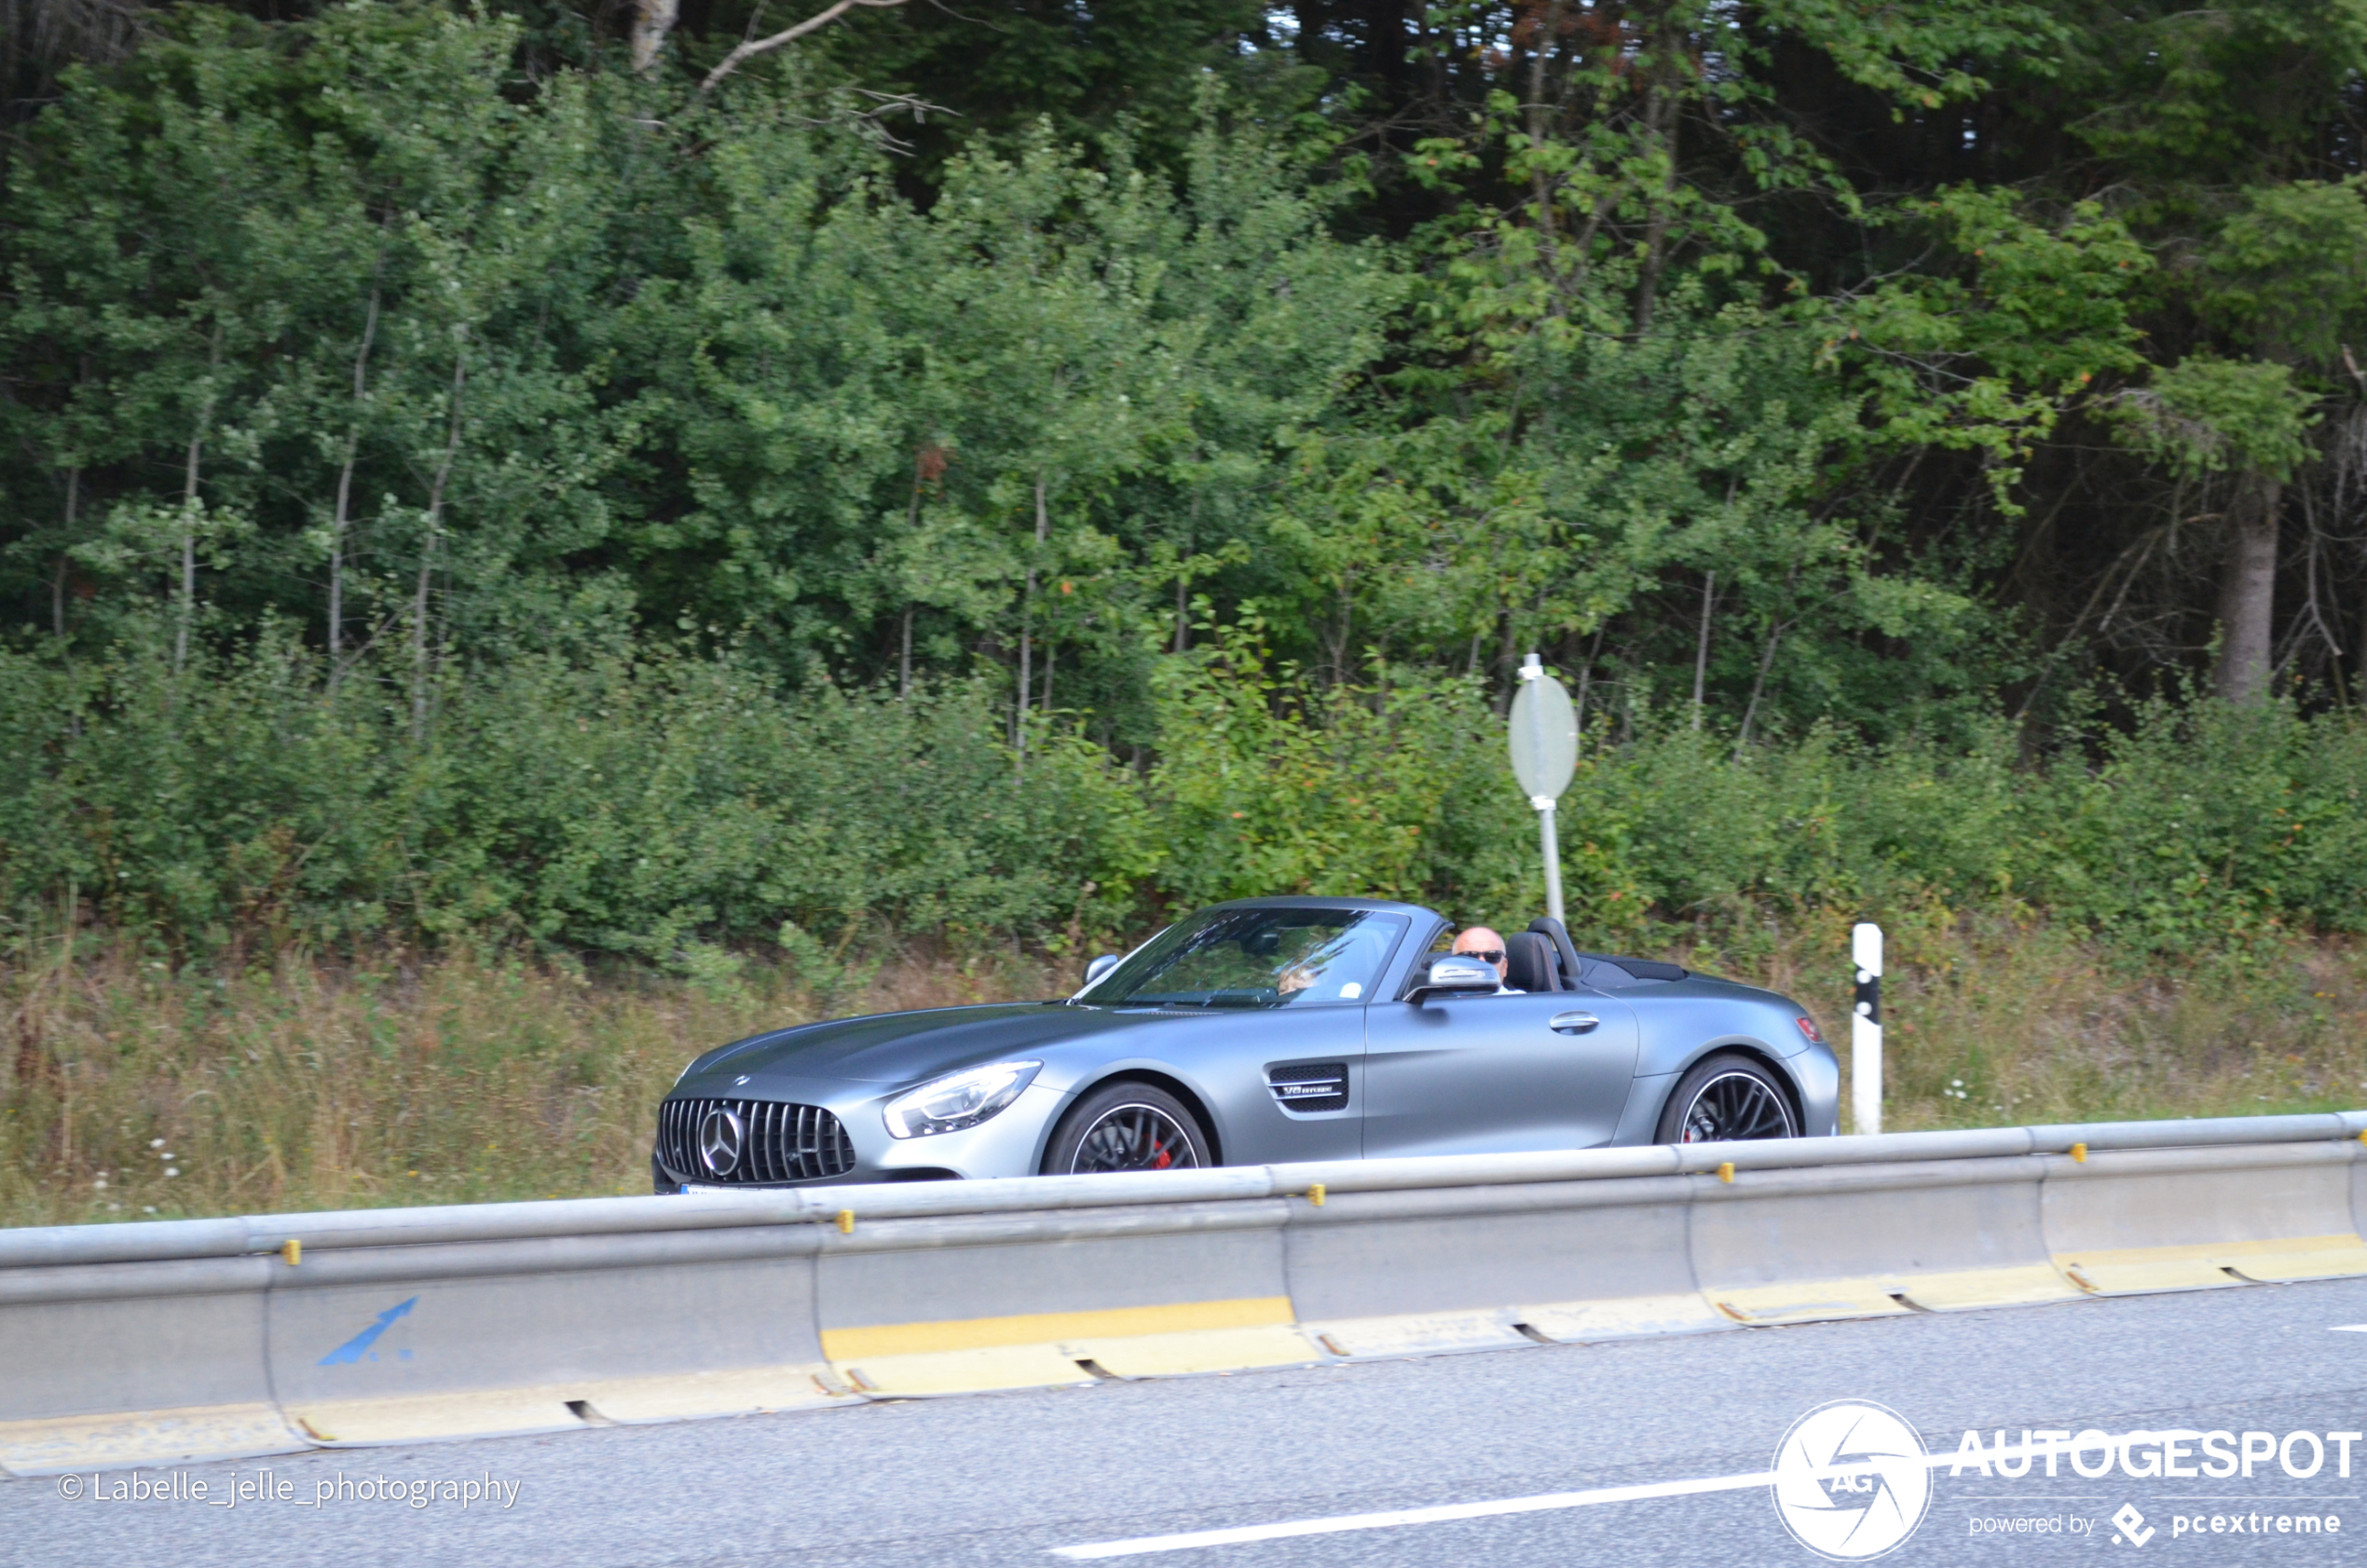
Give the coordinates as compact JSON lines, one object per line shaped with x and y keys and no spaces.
{"x":958,"y":1101}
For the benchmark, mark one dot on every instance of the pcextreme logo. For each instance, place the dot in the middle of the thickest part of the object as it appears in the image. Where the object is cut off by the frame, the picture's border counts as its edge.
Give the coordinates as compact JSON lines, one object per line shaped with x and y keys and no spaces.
{"x":1851,"y":1480}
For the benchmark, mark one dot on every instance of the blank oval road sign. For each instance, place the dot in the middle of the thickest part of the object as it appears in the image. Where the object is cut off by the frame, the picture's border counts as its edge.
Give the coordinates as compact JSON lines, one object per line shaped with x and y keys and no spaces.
{"x":1544,"y":735}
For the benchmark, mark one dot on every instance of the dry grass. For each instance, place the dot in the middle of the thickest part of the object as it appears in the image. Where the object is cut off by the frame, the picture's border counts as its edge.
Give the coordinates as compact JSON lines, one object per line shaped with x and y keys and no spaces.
{"x":1993,"y":1022}
{"x":130,"y":1092}
{"x":134,"y":1093}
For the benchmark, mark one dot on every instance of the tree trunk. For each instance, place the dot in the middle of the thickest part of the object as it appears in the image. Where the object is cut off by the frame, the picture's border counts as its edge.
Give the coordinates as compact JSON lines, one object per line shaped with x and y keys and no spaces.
{"x":749,"y":48}
{"x":1340,"y":642}
{"x":426,"y":552}
{"x":1700,"y":649}
{"x":188,"y":546}
{"x":1183,"y":580}
{"x":1027,"y":622}
{"x":1766,"y":663}
{"x":1661,"y":118}
{"x":188,"y":506}
{"x":2248,"y":591}
{"x":1540,"y":49}
{"x":1586,"y":680}
{"x":1505,"y":659}
{"x":912,"y":528}
{"x":58,"y":584}
{"x":345,"y":486}
{"x":2358,"y":686}
{"x":652,"y":19}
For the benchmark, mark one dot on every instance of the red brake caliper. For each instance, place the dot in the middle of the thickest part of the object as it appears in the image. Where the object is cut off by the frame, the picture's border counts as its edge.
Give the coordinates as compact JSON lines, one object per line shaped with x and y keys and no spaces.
{"x":1159,"y":1150}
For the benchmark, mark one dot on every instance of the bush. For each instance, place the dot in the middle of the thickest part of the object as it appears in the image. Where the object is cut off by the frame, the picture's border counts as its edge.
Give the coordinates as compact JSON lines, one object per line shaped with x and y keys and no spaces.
{"x":636,"y":804}
{"x":660,"y":805}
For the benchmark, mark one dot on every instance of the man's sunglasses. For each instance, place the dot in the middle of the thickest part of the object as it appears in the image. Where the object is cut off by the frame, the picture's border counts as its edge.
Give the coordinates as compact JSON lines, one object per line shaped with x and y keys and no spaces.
{"x":1485,"y":955}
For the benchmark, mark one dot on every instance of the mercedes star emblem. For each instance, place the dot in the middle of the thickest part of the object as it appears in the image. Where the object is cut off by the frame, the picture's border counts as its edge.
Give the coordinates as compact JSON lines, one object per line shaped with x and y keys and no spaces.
{"x":720,"y":1135}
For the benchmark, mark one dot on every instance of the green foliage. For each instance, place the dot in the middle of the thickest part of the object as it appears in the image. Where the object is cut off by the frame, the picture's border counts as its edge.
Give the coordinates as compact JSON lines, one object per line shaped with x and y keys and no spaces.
{"x":2177,"y":94}
{"x":1986,"y":357}
{"x":2206,"y":414}
{"x":583,"y":798}
{"x":2288,"y":269}
{"x":373,"y":324}
{"x":669,"y":807}
{"x":1269,"y":786}
{"x":1916,"y":52}
{"x":528,"y":500}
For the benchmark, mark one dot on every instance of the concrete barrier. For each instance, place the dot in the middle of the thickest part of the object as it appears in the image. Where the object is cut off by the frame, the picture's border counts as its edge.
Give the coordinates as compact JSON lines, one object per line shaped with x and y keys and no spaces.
{"x":125,"y":1363}
{"x":955,"y":1304}
{"x":136,"y":1364}
{"x":151,"y":1343}
{"x":1470,"y":1268}
{"x":2161,"y":1219}
{"x":398,"y":1344}
{"x":1793,"y":1246}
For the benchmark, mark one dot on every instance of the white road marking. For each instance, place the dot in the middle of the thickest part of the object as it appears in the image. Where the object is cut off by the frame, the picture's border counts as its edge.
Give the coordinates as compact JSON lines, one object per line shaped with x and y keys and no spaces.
{"x":2349,"y":1328}
{"x":1447,"y":1512}
{"x":1395,"y":1516}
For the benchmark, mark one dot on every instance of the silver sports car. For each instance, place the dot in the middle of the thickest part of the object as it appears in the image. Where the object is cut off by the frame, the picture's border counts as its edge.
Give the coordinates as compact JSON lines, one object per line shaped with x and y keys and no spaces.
{"x":1261,"y":1031}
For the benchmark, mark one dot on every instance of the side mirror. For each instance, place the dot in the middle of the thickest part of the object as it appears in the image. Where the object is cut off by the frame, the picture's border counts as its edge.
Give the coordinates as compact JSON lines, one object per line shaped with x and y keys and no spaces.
{"x":1453,"y":975}
{"x":1099,"y":967}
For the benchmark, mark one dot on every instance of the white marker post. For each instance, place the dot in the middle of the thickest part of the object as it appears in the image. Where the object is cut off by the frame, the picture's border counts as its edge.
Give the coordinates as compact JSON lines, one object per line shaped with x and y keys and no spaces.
{"x":1866,"y":1028}
{"x":1544,"y":739}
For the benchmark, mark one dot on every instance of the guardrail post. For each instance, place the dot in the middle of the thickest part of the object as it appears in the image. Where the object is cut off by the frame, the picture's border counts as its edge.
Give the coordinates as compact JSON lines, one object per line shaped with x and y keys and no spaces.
{"x":1866,"y":1028}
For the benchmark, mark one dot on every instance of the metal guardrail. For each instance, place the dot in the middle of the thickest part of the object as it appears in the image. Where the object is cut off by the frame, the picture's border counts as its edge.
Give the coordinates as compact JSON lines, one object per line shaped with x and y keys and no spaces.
{"x":142,"y":1342}
{"x":243,"y":1236}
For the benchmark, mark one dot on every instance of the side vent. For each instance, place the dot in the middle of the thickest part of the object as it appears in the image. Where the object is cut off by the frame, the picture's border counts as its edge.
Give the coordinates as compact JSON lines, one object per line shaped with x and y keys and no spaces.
{"x":1309,"y":1085}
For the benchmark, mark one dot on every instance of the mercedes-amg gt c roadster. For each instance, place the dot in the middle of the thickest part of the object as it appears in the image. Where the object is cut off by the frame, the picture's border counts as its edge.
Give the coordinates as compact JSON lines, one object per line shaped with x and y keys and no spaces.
{"x":1261,"y":1031}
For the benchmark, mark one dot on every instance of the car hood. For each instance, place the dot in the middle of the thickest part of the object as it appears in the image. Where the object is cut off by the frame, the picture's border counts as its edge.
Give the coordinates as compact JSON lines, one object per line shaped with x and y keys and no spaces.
{"x":904,"y":1047}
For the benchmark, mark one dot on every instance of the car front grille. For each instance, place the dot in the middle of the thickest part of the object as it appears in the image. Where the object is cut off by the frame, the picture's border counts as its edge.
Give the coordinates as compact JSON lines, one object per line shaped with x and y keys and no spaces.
{"x":778,"y":1142}
{"x":1309,"y":1085}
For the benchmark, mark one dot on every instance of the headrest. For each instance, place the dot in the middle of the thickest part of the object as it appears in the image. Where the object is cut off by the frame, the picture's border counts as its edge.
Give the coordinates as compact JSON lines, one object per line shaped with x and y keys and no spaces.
{"x":1529,"y":963}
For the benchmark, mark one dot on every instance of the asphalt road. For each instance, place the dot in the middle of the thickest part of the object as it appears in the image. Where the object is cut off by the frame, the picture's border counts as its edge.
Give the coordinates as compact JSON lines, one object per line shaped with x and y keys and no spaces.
{"x":1010,"y":1477}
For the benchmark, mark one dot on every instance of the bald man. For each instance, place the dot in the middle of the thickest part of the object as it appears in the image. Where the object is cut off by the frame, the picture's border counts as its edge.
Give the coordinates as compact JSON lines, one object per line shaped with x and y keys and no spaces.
{"x":1480,"y":943}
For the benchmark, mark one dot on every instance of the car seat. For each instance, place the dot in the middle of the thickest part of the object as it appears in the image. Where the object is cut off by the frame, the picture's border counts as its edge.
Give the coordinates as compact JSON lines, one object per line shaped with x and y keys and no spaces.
{"x":1529,"y":963}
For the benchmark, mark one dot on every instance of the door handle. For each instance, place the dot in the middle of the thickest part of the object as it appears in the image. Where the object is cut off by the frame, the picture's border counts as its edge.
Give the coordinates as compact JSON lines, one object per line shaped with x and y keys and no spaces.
{"x":1572,"y":1023}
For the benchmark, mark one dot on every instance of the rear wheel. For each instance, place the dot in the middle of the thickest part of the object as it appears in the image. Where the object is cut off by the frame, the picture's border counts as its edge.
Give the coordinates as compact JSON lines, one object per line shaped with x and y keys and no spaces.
{"x":1126,"y":1127}
{"x":1726,"y":1098}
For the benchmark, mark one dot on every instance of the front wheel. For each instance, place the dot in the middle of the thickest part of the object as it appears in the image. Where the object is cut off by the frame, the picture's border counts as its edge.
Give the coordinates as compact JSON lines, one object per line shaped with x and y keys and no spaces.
{"x":1726,"y":1098}
{"x":1126,"y":1127}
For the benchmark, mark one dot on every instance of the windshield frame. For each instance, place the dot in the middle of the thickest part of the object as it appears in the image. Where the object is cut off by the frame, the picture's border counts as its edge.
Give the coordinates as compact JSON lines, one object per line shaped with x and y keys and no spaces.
{"x":1398,"y":923}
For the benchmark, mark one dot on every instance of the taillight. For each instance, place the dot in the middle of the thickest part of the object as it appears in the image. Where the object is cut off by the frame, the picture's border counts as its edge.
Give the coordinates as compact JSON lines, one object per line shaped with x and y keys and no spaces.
{"x":1808,"y":1027}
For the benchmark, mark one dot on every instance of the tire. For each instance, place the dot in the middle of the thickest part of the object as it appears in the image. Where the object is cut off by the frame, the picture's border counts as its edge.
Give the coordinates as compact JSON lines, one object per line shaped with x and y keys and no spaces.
{"x":1728,"y":1096}
{"x":1126,"y":1126}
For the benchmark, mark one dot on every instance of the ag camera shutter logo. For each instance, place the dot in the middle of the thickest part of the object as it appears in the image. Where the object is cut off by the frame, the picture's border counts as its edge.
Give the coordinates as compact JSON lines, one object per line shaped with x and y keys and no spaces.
{"x":1876,"y":1501}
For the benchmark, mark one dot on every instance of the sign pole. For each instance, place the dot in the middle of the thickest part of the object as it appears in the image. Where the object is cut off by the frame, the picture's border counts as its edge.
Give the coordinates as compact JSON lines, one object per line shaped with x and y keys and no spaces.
{"x":1553,"y":846}
{"x":1543,"y":732}
{"x":1866,"y":1028}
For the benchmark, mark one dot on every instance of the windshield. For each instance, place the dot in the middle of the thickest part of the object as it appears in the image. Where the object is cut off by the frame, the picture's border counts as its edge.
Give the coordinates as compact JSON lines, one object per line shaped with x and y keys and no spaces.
{"x":1257,"y":958}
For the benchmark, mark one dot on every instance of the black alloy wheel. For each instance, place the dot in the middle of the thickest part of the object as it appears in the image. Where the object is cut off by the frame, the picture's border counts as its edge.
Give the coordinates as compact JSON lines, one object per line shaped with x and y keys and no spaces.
{"x":1726,"y":1098}
{"x":1126,"y":1127}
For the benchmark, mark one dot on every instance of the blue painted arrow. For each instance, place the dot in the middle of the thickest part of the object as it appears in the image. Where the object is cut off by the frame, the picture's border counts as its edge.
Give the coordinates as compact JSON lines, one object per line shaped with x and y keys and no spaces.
{"x":351,"y":1350}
